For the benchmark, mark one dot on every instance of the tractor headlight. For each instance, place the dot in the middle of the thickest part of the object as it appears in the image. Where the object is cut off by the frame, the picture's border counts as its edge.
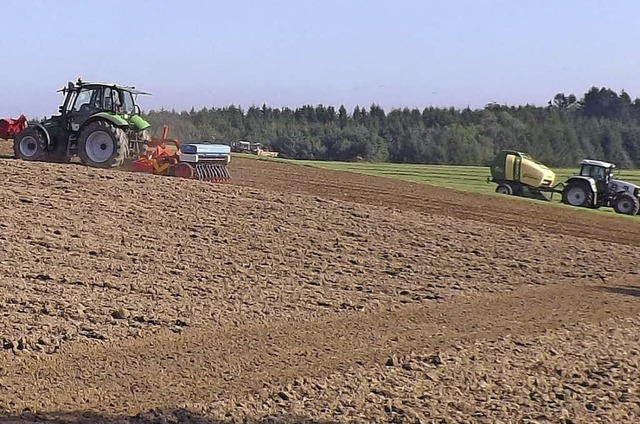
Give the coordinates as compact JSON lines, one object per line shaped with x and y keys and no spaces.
{"x":636,"y":192}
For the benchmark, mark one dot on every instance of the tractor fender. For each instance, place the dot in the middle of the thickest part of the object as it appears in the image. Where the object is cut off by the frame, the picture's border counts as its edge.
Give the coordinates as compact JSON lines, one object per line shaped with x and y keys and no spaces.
{"x":114,"y":119}
{"x":620,"y":193}
{"x":139,"y":123}
{"x":590,"y":181}
{"x":44,"y":131}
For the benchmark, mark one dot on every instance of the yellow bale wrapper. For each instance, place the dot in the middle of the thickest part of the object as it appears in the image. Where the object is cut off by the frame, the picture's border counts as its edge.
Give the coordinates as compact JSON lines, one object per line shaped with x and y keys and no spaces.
{"x":519,"y":174}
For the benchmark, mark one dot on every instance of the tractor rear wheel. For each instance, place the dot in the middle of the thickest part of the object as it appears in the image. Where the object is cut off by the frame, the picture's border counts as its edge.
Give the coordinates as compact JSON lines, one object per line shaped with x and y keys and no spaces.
{"x":626,"y":204}
{"x":102,"y":145}
{"x":30,"y":144}
{"x":577,"y":194}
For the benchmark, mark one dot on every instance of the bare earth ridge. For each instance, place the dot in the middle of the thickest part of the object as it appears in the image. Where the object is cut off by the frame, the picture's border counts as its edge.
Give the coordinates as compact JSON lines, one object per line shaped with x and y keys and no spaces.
{"x":302,"y":295}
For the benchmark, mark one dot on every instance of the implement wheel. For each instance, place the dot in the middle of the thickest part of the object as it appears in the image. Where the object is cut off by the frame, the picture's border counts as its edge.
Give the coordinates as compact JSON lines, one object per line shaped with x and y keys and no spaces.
{"x":504,"y":189}
{"x":182,"y":170}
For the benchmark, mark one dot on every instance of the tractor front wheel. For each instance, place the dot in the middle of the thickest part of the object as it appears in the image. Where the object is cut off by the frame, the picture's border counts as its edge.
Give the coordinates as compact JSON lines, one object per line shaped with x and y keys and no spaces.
{"x":626,"y":204}
{"x":30,"y":144}
{"x":102,"y":145}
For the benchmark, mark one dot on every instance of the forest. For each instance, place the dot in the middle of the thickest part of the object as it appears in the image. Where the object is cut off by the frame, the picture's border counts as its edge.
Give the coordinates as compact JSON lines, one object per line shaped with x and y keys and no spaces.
{"x":602,"y":124}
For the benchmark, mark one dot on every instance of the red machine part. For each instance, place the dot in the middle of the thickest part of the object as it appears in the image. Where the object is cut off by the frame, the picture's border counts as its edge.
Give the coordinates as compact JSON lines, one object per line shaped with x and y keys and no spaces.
{"x":183,"y":170}
{"x":10,"y":127}
{"x":159,"y":158}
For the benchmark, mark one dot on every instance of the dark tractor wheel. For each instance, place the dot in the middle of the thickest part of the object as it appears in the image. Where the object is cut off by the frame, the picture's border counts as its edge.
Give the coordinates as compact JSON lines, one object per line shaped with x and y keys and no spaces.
{"x":577,"y":194}
{"x":30,"y":144}
{"x":626,"y":204}
{"x":504,"y":189}
{"x":102,"y":145}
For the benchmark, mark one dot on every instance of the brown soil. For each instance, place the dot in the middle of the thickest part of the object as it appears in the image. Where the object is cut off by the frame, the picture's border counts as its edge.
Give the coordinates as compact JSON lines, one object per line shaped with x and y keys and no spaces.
{"x":401,"y":195}
{"x":293,"y":294}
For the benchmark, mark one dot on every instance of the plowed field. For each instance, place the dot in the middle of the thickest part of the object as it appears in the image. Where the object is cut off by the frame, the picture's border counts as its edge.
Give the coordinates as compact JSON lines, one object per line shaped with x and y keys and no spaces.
{"x":296,"y":294}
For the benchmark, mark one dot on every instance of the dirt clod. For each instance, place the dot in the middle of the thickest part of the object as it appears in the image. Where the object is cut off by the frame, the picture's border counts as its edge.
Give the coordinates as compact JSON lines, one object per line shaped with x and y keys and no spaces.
{"x":120,"y":313}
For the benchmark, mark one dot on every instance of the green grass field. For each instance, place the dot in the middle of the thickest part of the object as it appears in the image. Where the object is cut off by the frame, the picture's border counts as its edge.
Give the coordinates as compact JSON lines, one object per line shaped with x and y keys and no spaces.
{"x":465,"y":178}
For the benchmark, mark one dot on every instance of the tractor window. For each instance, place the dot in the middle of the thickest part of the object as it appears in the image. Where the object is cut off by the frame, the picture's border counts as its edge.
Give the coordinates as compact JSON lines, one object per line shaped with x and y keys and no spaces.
{"x":128,"y":102}
{"x":596,"y":172}
{"x":108,"y":98}
{"x":88,"y":100}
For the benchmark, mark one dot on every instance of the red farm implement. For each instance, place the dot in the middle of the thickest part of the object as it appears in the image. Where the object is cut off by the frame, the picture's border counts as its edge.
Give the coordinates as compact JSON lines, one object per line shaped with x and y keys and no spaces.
{"x":10,"y":127}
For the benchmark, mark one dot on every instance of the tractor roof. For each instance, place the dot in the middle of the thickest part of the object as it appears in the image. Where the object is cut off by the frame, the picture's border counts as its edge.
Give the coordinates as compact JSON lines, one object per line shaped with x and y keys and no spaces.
{"x":122,"y":87}
{"x":597,"y":163}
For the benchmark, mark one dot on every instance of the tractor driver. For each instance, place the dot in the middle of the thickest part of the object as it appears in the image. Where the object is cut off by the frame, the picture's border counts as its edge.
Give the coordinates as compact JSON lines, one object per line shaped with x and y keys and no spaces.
{"x":112,"y":100}
{"x":117,"y":102}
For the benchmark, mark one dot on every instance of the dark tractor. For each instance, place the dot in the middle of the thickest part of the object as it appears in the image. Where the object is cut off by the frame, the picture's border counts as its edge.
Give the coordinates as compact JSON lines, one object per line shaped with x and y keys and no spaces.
{"x":98,"y":122}
{"x":596,"y":186}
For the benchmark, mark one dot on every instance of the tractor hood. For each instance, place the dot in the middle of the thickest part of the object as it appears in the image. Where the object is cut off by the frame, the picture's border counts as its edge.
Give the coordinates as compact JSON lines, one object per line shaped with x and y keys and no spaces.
{"x":619,"y":185}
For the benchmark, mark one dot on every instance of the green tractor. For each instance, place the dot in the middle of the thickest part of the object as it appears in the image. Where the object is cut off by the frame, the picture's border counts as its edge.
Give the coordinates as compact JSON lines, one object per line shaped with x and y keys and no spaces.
{"x":98,"y":122}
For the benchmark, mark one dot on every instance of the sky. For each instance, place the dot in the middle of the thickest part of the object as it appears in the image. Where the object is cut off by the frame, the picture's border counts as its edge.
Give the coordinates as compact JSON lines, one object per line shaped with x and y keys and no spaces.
{"x":405,"y":53}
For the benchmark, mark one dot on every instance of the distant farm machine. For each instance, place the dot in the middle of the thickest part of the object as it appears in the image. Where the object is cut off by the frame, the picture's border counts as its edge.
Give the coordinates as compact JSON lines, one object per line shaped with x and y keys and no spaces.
{"x":101,"y":123}
{"x":243,"y":146}
{"x":517,"y":173}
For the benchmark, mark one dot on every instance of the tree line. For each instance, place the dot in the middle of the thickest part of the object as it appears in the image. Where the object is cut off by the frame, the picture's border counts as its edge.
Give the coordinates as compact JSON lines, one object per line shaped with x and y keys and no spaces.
{"x":602,"y":124}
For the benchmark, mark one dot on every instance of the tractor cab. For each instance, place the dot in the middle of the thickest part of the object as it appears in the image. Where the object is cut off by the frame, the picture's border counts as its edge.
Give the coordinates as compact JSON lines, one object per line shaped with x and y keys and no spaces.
{"x":601,"y":172}
{"x":84,"y":99}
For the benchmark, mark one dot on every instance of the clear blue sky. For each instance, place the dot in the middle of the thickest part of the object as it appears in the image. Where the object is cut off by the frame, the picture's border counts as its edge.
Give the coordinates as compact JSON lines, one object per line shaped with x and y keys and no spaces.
{"x":397,"y":53}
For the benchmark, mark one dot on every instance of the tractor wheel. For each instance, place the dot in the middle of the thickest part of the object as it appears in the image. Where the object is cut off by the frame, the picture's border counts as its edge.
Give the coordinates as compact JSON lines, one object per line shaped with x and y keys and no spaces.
{"x":626,"y":204}
{"x":504,"y":189}
{"x":577,"y":195}
{"x":30,"y":144}
{"x":102,"y":145}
